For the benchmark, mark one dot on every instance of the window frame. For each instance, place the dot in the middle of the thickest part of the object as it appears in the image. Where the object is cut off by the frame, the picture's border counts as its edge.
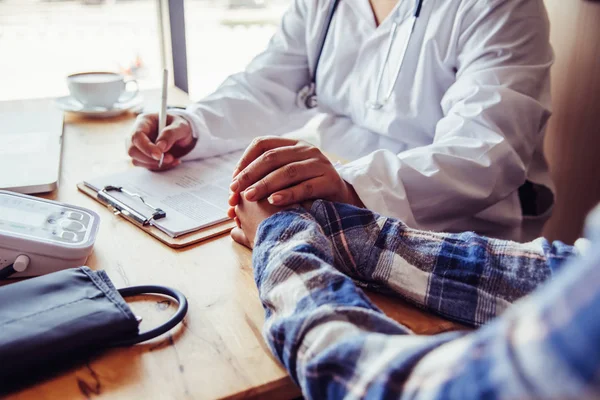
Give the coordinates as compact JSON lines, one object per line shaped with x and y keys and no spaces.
{"x":174,"y":39}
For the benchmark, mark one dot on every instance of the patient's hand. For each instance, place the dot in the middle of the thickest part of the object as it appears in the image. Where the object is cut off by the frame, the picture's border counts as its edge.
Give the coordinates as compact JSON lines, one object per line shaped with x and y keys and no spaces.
{"x":248,"y":215}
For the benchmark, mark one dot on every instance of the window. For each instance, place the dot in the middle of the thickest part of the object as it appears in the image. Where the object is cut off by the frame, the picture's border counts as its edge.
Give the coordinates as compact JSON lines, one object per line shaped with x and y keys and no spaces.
{"x":223,"y":36}
{"x":43,"y":41}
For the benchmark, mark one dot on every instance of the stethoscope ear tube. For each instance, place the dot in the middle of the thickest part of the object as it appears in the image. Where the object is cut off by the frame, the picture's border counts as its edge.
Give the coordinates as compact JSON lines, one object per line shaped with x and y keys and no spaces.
{"x":164,"y":328}
{"x":307,"y":96}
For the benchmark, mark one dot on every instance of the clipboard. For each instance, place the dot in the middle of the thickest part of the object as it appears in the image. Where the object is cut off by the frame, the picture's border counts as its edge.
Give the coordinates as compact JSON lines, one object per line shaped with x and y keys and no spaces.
{"x":141,"y":221}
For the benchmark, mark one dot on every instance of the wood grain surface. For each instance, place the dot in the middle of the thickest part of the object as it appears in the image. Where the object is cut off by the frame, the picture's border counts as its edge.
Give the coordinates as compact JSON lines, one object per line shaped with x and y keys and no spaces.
{"x":219,"y":351}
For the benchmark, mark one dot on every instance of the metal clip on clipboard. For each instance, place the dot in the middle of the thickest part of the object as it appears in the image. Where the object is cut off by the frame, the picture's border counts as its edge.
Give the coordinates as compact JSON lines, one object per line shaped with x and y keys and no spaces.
{"x":118,"y":207}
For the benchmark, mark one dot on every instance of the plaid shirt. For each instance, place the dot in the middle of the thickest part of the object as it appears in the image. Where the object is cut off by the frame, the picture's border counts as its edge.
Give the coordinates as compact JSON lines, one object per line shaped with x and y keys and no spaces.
{"x":335,"y":343}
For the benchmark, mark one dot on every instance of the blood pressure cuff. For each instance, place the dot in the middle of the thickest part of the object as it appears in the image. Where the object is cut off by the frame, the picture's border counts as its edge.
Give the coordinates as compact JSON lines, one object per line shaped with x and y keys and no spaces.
{"x":52,"y":319}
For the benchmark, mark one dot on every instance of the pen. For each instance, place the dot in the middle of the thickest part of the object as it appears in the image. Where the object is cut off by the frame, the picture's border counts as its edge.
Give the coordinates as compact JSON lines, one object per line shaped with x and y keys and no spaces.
{"x":162,"y":114}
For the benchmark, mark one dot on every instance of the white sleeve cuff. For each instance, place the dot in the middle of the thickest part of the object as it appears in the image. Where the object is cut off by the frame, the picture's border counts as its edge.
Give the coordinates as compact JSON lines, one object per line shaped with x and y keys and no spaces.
{"x":206,"y":144}
{"x":376,"y":182}
{"x":187,"y":116}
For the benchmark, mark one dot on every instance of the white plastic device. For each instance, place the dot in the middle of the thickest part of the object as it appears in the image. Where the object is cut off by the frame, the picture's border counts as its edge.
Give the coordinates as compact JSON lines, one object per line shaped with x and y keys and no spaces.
{"x":40,"y":236}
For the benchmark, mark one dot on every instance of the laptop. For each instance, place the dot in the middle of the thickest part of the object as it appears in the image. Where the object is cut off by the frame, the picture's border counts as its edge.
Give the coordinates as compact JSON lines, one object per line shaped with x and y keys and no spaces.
{"x":30,"y":146}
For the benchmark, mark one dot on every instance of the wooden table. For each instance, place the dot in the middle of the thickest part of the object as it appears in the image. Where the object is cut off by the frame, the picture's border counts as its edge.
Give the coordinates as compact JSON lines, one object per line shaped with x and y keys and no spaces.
{"x":219,"y":351}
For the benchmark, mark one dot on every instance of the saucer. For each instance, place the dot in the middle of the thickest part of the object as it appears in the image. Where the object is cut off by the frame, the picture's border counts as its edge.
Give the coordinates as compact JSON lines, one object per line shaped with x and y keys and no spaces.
{"x":70,"y":104}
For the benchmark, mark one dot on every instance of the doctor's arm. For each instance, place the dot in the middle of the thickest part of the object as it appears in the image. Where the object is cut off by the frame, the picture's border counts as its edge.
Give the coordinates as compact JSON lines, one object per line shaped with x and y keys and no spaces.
{"x":261,"y":100}
{"x":494,"y":119}
{"x":335,"y":343}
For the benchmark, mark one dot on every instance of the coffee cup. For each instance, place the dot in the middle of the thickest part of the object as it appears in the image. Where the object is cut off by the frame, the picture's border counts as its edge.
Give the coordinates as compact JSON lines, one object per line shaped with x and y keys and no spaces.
{"x":100,"y":89}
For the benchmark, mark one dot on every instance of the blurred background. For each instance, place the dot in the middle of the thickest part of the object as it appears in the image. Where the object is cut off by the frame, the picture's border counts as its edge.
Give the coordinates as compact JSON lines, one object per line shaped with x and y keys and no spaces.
{"x":43,"y":41}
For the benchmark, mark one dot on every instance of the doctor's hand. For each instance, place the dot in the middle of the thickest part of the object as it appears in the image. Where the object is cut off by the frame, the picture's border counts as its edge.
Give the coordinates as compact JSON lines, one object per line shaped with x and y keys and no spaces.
{"x":146,"y":145}
{"x":287,"y":171}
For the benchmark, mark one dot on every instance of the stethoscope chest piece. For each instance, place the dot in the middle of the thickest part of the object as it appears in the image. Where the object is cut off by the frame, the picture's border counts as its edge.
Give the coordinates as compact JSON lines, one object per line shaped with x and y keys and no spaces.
{"x":374,"y":105}
{"x":307,"y":96}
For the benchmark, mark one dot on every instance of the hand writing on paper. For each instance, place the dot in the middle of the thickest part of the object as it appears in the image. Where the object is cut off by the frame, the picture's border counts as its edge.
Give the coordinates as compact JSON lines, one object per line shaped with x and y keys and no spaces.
{"x":145,"y":145}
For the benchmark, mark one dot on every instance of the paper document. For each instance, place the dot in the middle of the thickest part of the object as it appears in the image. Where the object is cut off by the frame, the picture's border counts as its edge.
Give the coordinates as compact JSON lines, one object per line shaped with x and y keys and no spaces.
{"x":194,"y":195}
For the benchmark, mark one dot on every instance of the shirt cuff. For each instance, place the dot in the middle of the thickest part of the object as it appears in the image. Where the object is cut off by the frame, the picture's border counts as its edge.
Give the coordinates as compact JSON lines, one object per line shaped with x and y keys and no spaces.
{"x":273,"y":229}
{"x":188,"y":117}
{"x":206,"y":144}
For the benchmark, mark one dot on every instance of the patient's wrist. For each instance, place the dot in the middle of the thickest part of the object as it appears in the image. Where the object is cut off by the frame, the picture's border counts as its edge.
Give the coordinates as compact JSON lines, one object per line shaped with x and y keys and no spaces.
{"x":273,"y":228}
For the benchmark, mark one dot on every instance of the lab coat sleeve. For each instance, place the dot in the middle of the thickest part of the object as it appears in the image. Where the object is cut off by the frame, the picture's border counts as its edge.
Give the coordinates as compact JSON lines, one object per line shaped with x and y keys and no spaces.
{"x":494,"y":118}
{"x":260,"y":100}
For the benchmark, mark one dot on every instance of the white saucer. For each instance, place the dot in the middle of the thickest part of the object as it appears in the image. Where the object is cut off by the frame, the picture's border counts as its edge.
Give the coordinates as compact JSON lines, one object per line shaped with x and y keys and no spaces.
{"x":68,"y":103}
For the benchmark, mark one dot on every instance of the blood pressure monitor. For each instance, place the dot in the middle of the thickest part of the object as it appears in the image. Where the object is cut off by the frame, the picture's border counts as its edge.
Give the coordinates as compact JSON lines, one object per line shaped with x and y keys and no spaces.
{"x":40,"y":236}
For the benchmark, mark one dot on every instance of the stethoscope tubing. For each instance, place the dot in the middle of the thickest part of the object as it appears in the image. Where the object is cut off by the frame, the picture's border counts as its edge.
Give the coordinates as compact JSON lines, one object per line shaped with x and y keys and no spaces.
{"x":164,"y":328}
{"x":323,"y":38}
{"x":310,"y":90}
{"x":377,"y":104}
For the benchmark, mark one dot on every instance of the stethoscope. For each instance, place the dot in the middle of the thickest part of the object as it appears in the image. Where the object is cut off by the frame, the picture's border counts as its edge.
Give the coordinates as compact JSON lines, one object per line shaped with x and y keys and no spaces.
{"x":174,"y":294}
{"x":164,"y":328}
{"x":307,"y":96}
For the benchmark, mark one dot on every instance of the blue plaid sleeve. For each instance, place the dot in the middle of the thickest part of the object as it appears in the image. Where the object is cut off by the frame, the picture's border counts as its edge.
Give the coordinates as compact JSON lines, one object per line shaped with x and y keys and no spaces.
{"x":464,"y":277}
{"x":336,"y":344}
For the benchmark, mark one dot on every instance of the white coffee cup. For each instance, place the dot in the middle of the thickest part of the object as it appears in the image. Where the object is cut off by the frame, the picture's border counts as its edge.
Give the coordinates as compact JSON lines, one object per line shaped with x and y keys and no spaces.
{"x":100,"y":89}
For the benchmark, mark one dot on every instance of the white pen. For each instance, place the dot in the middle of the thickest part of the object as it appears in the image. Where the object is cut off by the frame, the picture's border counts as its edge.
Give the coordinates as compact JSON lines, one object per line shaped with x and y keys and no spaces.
{"x":162,"y":114}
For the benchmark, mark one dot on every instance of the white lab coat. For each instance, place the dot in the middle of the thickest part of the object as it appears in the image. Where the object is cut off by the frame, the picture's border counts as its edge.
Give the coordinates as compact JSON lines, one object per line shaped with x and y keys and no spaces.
{"x":461,"y":132}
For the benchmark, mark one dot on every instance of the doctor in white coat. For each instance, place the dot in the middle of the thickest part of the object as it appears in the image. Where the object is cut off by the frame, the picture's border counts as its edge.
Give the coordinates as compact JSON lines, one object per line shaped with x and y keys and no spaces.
{"x":440,"y":106}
